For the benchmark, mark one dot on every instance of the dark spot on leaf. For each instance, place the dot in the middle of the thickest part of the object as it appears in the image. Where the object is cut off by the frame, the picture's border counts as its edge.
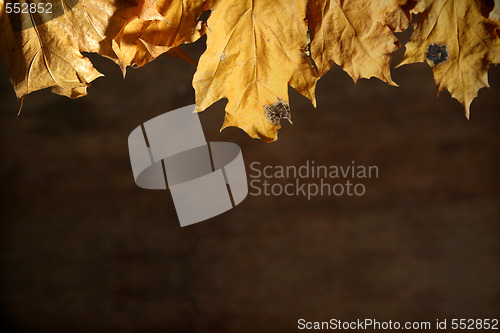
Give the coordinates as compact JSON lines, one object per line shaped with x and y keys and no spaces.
{"x":437,"y":54}
{"x":277,"y":111}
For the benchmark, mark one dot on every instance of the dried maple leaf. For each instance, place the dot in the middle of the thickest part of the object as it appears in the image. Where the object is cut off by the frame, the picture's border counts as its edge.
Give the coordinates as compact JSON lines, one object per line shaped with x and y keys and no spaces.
{"x":43,"y":50}
{"x":255,"y":49}
{"x":458,"y":42}
{"x":356,"y":35}
{"x":393,"y":13}
{"x":158,"y":27}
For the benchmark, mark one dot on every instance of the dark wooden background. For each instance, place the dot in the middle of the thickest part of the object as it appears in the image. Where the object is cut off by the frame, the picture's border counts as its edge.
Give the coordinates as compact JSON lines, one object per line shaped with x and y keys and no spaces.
{"x":82,"y":249}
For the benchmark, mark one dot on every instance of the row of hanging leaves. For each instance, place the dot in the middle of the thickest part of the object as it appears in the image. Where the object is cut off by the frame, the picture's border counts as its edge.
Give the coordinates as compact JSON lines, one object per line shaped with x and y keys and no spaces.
{"x":255,"y":48}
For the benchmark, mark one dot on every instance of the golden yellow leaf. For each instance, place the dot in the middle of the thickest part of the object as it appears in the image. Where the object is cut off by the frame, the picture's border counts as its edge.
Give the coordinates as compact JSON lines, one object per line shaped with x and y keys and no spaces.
{"x":393,"y":13}
{"x":156,"y":28}
{"x":43,"y":50}
{"x":458,"y":42}
{"x":255,"y":49}
{"x":356,"y":35}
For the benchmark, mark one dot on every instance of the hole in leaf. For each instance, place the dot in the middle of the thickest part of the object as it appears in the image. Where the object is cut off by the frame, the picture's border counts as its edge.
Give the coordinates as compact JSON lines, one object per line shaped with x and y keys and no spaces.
{"x":204,"y":16}
{"x":308,"y":50}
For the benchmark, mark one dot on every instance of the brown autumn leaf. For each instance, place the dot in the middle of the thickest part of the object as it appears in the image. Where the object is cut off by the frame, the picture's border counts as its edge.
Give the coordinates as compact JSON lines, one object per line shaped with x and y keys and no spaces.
{"x":43,"y":50}
{"x":158,"y":27}
{"x":458,"y":42}
{"x":393,"y":13}
{"x":254,"y":51}
{"x":356,"y":35}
